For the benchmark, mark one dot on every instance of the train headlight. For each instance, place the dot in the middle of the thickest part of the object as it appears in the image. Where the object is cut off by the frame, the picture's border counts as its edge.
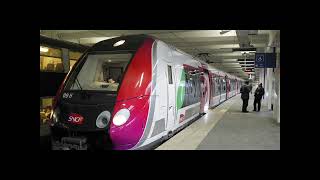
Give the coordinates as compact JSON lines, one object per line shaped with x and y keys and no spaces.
{"x":103,"y":119}
{"x":121,"y":117}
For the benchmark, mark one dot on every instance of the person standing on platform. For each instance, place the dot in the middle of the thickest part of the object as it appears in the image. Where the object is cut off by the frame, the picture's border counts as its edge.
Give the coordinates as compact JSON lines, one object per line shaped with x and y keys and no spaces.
{"x":245,"y":90}
{"x":257,"y":97}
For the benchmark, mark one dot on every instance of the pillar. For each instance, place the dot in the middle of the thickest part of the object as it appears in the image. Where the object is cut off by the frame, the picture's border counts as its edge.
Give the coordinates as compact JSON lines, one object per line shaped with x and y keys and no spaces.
{"x":269,"y":88}
{"x":276,"y":110}
{"x":65,"y":60}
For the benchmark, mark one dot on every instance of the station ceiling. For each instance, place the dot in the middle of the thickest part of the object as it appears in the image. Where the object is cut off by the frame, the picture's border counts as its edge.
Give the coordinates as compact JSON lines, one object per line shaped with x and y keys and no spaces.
{"x":221,"y":48}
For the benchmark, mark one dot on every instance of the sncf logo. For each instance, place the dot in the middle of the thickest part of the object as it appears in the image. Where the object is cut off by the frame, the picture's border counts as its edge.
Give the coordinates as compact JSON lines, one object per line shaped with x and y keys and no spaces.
{"x":75,"y":119}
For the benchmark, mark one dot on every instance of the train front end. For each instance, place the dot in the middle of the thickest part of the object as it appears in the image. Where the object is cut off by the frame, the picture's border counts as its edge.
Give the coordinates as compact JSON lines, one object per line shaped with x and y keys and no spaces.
{"x":104,"y":101}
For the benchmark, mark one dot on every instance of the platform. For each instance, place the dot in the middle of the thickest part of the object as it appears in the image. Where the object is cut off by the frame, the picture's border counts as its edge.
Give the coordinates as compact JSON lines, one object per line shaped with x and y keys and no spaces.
{"x":227,"y":128}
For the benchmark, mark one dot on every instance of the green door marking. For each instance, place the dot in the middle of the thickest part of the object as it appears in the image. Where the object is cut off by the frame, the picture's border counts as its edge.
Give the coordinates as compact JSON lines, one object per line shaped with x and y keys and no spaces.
{"x":181,"y":89}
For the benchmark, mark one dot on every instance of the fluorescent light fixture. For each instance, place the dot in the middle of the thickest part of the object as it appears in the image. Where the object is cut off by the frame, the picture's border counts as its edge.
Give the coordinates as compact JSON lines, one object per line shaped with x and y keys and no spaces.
{"x":245,"y":52}
{"x":119,"y":43}
{"x":44,"y":49}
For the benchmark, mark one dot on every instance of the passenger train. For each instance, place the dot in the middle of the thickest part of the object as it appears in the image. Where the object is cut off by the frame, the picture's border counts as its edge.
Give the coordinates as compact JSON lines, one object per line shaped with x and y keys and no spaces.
{"x":134,"y":91}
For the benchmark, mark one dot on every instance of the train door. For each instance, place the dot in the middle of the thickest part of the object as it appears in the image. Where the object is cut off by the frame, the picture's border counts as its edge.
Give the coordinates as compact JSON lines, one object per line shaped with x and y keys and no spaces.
{"x":171,"y":96}
{"x":231,"y":88}
{"x":224,"y":88}
{"x":205,"y":92}
{"x":217,"y":94}
{"x":212,"y":90}
{"x":220,"y":89}
{"x":227,"y":88}
{"x":237,"y":87}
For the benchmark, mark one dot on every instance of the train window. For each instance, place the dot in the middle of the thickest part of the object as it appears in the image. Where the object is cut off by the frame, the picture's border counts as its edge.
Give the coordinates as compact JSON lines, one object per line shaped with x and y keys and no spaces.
{"x":50,"y":59}
{"x":192,"y":87}
{"x":51,"y":64}
{"x":217,"y":86}
{"x":170,"y":74}
{"x":72,"y":62}
{"x":100,"y":72}
{"x":74,"y":55}
{"x":51,"y":52}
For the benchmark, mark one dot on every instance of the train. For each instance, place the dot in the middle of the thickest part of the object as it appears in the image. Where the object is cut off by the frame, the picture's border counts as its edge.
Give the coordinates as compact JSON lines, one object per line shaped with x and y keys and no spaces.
{"x":133,"y":92}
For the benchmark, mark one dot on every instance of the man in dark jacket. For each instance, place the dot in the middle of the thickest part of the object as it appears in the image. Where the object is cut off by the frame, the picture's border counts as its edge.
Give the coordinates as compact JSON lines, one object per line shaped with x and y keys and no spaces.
{"x":245,"y":90}
{"x":258,"y":96}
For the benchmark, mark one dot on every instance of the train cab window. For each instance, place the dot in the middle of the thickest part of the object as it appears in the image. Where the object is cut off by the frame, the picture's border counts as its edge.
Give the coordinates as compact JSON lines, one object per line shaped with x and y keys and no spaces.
{"x":101,"y":72}
{"x":170,"y":74}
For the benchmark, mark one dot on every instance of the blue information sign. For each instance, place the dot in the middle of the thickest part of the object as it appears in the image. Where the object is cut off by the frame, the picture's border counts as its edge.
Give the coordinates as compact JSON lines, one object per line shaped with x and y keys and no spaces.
{"x":271,"y":60}
{"x":260,"y":60}
{"x":265,"y":60}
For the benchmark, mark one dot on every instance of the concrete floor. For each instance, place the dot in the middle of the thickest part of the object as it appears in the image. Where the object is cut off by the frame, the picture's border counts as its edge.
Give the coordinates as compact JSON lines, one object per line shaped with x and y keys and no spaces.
{"x":227,"y":128}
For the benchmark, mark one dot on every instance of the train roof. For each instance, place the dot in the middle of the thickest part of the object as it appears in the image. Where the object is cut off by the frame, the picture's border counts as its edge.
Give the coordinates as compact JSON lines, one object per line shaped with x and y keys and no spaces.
{"x":133,"y":42}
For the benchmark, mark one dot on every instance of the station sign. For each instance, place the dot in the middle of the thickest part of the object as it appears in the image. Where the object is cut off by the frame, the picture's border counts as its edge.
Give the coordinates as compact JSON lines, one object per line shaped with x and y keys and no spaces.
{"x":260,"y":60}
{"x":265,"y":60}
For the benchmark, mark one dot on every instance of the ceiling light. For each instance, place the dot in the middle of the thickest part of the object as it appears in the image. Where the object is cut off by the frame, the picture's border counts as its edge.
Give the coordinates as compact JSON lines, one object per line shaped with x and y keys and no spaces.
{"x":224,"y":31}
{"x":245,"y":52}
{"x":44,"y":49}
{"x":109,"y":60}
{"x":118,"y":43}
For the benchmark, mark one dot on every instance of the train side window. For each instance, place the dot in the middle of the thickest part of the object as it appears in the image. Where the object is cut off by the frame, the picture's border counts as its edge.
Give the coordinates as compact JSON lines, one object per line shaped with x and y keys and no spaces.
{"x":74,"y":57}
{"x":51,"y":64}
{"x":50,"y":59}
{"x":72,"y":63}
{"x":170,"y":74}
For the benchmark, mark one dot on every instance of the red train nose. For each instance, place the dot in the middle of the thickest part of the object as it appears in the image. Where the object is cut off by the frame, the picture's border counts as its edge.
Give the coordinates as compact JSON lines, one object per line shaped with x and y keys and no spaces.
{"x":131,"y":110}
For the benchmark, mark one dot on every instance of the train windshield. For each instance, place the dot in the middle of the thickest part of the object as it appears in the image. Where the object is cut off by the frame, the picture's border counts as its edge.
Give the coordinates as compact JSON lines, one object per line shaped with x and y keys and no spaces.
{"x":99,"y":72}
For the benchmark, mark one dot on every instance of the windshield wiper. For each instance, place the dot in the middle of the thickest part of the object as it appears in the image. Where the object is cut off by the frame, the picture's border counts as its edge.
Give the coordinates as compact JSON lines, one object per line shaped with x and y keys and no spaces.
{"x":78,"y":83}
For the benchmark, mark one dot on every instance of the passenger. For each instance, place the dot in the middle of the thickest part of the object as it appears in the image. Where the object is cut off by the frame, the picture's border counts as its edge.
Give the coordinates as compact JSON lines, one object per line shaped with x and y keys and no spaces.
{"x":258,"y":96}
{"x":245,"y":90}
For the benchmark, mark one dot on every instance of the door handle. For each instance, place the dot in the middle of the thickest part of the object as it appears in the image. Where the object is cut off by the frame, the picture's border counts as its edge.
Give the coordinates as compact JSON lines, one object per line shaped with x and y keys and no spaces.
{"x":170,"y":107}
